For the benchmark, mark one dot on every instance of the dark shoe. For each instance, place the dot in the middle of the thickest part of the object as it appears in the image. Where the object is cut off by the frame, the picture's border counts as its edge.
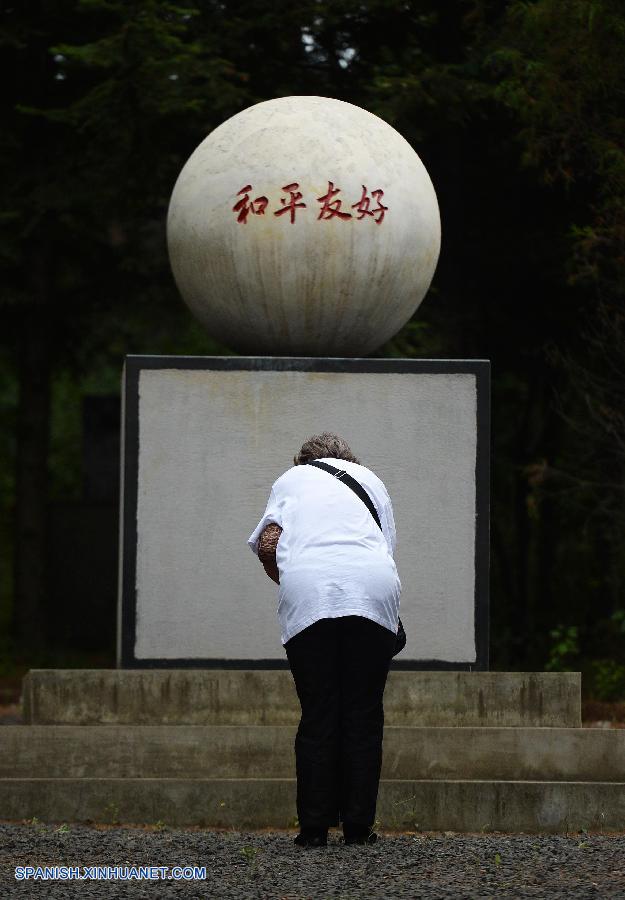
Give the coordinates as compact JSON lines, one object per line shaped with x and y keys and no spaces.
{"x":312,"y":837}
{"x":358,"y":834}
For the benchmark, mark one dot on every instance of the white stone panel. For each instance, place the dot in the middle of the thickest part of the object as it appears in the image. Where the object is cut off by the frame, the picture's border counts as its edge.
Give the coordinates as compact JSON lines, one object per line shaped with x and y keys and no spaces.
{"x":212,"y":442}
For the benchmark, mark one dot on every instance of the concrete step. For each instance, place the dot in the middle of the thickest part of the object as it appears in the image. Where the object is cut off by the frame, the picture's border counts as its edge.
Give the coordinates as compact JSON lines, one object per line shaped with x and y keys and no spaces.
{"x":455,"y":805}
{"x":253,"y":751}
{"x":268,"y":697}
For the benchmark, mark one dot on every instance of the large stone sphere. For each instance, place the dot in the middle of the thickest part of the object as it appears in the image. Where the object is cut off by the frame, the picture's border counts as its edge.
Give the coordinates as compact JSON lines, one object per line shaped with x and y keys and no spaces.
{"x":303,"y":226}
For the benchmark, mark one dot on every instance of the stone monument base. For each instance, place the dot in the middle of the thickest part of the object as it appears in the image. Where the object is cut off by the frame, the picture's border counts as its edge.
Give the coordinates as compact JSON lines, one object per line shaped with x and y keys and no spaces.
{"x":479,"y":751}
{"x":203,"y":440}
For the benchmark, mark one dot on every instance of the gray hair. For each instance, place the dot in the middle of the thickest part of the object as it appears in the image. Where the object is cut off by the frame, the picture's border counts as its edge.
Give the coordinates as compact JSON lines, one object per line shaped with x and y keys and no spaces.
{"x":322,"y":445}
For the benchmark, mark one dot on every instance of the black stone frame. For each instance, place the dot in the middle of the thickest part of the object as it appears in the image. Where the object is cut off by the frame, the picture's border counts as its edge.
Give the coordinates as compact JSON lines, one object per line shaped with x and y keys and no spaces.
{"x":133,"y":364}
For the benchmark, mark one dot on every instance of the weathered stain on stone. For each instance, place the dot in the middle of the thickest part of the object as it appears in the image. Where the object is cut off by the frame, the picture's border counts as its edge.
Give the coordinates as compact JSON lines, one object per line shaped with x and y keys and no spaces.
{"x":249,"y":697}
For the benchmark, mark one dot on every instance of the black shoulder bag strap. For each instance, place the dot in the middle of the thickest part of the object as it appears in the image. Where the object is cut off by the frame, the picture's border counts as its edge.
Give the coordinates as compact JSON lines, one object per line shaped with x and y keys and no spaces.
{"x":358,"y":489}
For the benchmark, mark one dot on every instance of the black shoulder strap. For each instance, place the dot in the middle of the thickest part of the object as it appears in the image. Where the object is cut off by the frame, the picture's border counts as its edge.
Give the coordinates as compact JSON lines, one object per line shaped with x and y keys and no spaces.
{"x":356,"y":487}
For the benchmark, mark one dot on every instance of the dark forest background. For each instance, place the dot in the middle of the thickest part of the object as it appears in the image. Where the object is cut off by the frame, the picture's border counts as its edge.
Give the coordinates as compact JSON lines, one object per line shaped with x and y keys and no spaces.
{"x":517,"y":110}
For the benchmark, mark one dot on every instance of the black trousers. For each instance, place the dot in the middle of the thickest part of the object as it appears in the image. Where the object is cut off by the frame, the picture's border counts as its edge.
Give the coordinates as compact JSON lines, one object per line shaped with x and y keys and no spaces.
{"x":339,"y":667}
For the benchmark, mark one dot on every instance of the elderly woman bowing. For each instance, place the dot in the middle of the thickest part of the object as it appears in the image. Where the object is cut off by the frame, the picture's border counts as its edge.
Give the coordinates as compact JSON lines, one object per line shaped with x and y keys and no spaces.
{"x":327,"y":538}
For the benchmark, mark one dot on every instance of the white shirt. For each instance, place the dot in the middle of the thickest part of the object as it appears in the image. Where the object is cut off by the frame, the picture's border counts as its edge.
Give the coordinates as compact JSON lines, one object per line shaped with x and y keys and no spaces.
{"x":332,"y":558}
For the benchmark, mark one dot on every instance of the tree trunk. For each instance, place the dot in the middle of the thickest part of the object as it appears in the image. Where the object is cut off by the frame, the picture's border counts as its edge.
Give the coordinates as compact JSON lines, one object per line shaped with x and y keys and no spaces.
{"x":31,"y":484}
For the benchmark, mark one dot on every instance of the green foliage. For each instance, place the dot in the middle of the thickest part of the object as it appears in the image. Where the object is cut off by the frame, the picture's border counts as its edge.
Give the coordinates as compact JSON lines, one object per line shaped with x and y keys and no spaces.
{"x":560,"y":71}
{"x":251,"y":855}
{"x":36,"y":823}
{"x":605,"y":676}
{"x":565,"y":649}
{"x":146,"y":76}
{"x":607,"y":679}
{"x":111,"y":813}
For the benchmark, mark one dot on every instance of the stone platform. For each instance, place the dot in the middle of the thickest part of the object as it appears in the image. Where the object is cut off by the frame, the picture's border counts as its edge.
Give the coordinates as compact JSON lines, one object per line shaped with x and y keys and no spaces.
{"x":268,"y":697}
{"x":463,"y":751}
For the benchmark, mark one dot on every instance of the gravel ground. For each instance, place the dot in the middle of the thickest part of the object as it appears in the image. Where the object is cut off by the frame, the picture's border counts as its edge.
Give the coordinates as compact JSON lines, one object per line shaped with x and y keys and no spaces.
{"x":268,"y":866}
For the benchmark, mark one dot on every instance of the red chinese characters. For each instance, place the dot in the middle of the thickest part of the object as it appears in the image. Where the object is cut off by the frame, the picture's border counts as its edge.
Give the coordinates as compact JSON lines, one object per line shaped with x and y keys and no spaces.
{"x":292,"y":203}
{"x":244,"y":207}
{"x":369,"y":205}
{"x":331,"y":208}
{"x":363,"y":205}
